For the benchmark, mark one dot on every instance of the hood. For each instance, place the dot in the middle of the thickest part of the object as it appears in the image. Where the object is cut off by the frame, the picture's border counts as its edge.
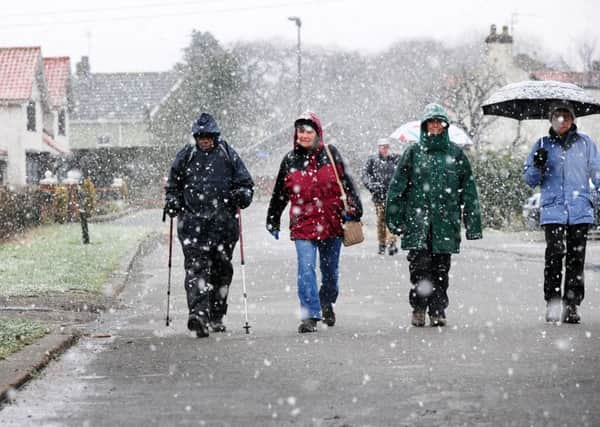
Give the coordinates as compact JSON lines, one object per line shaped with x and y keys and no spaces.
{"x":314,"y":120}
{"x":207,"y":125}
{"x":437,"y":142}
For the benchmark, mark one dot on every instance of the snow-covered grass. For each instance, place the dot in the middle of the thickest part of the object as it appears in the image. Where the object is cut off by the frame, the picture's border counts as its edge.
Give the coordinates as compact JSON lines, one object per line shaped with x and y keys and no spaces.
{"x":52,"y":259}
{"x":17,"y":333}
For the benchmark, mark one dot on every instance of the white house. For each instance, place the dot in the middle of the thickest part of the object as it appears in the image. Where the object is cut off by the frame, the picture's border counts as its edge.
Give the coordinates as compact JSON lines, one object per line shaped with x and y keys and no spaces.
{"x":25,"y":116}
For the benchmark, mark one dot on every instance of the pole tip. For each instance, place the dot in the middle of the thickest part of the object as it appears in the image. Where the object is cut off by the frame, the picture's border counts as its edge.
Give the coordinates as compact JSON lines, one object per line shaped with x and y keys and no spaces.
{"x":247,"y":328}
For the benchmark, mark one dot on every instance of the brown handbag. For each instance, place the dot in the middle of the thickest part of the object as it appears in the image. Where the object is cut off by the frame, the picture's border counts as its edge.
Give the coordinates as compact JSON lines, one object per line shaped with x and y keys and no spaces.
{"x":353,"y":232}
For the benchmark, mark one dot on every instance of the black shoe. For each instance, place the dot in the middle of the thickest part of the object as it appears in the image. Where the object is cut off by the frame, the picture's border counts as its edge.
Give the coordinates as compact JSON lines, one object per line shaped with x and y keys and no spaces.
{"x":438,"y":319}
{"x":392,"y":249}
{"x":571,"y":315}
{"x":418,"y":318}
{"x":307,"y":325}
{"x":328,"y":314}
{"x":381,"y":250}
{"x":217,"y":325}
{"x":198,"y":323}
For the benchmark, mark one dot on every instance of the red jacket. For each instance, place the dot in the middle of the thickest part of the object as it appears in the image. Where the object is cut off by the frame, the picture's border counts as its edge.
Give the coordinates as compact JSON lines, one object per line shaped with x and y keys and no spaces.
{"x":306,"y":179}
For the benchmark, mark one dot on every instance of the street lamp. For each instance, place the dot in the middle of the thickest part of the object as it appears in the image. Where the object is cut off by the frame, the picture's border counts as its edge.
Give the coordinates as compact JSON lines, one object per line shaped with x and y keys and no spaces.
{"x":298,"y":22}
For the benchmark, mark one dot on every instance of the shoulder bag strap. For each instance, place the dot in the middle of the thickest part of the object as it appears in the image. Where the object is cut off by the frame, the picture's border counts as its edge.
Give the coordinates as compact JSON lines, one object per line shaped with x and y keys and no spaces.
{"x":337,"y":177}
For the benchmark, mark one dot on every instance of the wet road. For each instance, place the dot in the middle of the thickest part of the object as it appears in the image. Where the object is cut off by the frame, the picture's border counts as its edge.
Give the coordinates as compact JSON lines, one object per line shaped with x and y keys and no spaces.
{"x":496,"y":363}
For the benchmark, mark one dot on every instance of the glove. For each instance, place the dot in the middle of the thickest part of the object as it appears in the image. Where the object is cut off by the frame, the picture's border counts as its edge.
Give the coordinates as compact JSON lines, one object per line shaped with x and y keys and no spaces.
{"x":275,"y":234}
{"x":540,"y":157}
{"x":241,"y":197}
{"x":172,"y":207}
{"x":346,"y":216}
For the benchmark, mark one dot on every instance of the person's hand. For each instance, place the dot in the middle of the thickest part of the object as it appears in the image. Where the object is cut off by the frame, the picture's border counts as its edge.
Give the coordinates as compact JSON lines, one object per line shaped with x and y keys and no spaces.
{"x":241,"y":197}
{"x":172,"y":207}
{"x":346,"y":216}
{"x":540,"y":158}
{"x":275,"y":234}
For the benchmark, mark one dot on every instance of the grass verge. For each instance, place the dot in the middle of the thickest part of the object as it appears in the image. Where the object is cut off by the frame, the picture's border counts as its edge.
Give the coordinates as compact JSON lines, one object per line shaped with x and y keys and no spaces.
{"x":52,"y":259}
{"x":17,"y":333}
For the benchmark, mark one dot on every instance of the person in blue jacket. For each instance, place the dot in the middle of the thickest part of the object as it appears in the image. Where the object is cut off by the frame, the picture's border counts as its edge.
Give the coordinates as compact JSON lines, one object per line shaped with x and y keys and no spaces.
{"x":207,"y":184}
{"x":563,"y":164}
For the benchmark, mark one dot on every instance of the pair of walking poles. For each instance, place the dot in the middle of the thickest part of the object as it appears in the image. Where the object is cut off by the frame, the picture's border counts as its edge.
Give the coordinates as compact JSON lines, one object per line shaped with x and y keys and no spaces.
{"x":239,"y":214}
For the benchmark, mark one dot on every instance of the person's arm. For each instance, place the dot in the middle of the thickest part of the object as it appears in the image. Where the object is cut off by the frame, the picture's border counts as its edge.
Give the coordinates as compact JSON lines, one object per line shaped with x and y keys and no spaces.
{"x":532,"y":174}
{"x":174,"y":188}
{"x":366,"y":175}
{"x":279,"y":199}
{"x":594,"y":164}
{"x":395,"y":205}
{"x":469,"y":201}
{"x":243,"y":185}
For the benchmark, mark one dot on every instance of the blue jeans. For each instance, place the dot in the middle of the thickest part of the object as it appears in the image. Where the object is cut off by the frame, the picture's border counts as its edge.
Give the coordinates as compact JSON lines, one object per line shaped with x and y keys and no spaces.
{"x":311,"y":297}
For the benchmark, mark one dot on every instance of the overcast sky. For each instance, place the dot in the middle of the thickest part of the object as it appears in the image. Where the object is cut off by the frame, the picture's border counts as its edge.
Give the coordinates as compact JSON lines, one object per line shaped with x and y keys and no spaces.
{"x":148,"y":35}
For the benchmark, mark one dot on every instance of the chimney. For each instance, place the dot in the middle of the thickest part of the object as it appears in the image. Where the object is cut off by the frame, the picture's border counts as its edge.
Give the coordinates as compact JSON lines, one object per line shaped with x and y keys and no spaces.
{"x":505,"y":37}
{"x":493,"y":35}
{"x":83,"y":67}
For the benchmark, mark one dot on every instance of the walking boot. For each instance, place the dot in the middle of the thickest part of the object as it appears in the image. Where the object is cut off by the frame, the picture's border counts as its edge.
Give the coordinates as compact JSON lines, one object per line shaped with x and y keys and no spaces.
{"x":437,"y":319}
{"x":199,"y":323}
{"x":571,"y":315}
{"x":418,"y":318}
{"x":392,"y":249}
{"x":307,"y":325}
{"x":328,"y":314}
{"x":216,"y":324}
{"x":381,"y":250}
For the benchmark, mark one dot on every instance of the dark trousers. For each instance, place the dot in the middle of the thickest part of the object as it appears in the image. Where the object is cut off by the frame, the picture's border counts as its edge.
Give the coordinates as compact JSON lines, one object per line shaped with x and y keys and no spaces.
{"x":576,"y":239}
{"x":208,"y":274}
{"x":429,"y":279}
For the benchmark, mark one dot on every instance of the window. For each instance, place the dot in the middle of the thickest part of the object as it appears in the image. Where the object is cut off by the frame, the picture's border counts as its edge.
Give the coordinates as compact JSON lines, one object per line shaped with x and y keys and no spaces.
{"x":62,"y":123}
{"x":32,"y":168}
{"x":2,"y":172}
{"x":103,"y":140}
{"x":31,"y":116}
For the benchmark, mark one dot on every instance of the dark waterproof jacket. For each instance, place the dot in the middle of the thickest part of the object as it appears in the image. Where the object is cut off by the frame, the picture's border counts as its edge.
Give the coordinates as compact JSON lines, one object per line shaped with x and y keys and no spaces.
{"x":433,"y":187}
{"x":377,"y":173}
{"x":203,"y":182}
{"x":306,"y":179}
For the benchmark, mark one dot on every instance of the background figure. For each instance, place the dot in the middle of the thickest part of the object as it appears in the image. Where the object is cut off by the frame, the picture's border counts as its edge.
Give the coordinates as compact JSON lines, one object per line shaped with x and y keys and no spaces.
{"x":376,"y":175}
{"x":307,"y":180}
{"x":563,"y":163}
{"x":207,"y":183}
{"x":431,"y":190}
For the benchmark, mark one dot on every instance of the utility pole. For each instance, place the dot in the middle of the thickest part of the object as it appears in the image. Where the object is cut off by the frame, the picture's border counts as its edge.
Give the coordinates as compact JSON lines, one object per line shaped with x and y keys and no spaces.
{"x":298,"y":22}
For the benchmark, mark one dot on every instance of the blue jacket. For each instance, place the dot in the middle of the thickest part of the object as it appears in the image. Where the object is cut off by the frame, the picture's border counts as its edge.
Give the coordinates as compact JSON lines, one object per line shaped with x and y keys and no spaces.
{"x":565,"y":190}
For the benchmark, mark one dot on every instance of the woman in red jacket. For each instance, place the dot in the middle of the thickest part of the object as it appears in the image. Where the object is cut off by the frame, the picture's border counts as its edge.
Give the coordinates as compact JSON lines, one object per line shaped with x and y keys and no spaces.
{"x":307,"y":180}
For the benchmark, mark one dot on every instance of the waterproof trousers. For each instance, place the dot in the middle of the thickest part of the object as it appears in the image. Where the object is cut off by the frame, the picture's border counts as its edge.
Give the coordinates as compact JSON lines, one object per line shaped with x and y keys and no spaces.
{"x":311,"y":296}
{"x":575,"y":237}
{"x":429,"y":279}
{"x":208,"y":274}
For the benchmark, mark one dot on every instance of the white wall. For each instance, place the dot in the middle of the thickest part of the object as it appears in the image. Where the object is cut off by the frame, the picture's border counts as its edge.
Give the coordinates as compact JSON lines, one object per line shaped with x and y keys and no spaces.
{"x":13,"y":122}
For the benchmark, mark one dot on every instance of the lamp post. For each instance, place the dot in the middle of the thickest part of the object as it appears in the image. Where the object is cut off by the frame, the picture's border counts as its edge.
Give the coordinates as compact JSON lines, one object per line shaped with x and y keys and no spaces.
{"x":298,"y":22}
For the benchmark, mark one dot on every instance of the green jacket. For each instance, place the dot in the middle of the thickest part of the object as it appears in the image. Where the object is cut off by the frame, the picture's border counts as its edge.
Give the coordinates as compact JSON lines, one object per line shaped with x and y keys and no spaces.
{"x":432,"y":187}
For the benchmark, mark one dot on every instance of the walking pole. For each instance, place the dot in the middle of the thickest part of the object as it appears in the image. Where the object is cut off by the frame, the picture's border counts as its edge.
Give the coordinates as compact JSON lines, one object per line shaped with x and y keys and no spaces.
{"x":170,"y":257}
{"x":247,"y":326}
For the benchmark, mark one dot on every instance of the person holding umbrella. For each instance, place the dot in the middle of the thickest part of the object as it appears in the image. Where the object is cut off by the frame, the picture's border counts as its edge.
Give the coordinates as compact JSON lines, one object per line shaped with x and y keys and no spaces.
{"x":563,"y":164}
{"x":208,"y":182}
{"x":433,"y":188}
{"x":376,"y":175}
{"x":307,"y":180}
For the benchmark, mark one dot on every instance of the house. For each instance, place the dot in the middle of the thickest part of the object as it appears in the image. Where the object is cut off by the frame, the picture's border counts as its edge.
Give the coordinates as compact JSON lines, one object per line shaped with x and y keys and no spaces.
{"x":27,"y":143}
{"x":503,"y":133}
{"x":114,"y":109}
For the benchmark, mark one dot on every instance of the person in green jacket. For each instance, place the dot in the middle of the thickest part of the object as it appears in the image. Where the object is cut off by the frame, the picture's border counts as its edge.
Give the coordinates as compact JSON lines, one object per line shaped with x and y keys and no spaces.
{"x":432,"y":189}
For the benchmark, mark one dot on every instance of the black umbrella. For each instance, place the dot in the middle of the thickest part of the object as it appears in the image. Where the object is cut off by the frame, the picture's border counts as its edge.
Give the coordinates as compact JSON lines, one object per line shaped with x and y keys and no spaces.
{"x":533,"y":100}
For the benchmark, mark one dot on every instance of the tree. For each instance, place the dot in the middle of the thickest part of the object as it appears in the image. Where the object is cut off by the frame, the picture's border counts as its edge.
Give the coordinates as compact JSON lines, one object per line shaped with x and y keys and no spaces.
{"x":210,"y":80}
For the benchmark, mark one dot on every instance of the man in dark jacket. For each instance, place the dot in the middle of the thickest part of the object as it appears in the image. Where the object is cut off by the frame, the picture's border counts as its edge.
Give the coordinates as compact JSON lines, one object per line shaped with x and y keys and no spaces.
{"x":376,"y":175}
{"x":208,"y":183}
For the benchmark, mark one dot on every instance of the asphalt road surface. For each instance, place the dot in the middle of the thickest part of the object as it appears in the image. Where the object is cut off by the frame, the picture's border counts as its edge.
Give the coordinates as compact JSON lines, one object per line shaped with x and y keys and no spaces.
{"x":496,"y":363}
